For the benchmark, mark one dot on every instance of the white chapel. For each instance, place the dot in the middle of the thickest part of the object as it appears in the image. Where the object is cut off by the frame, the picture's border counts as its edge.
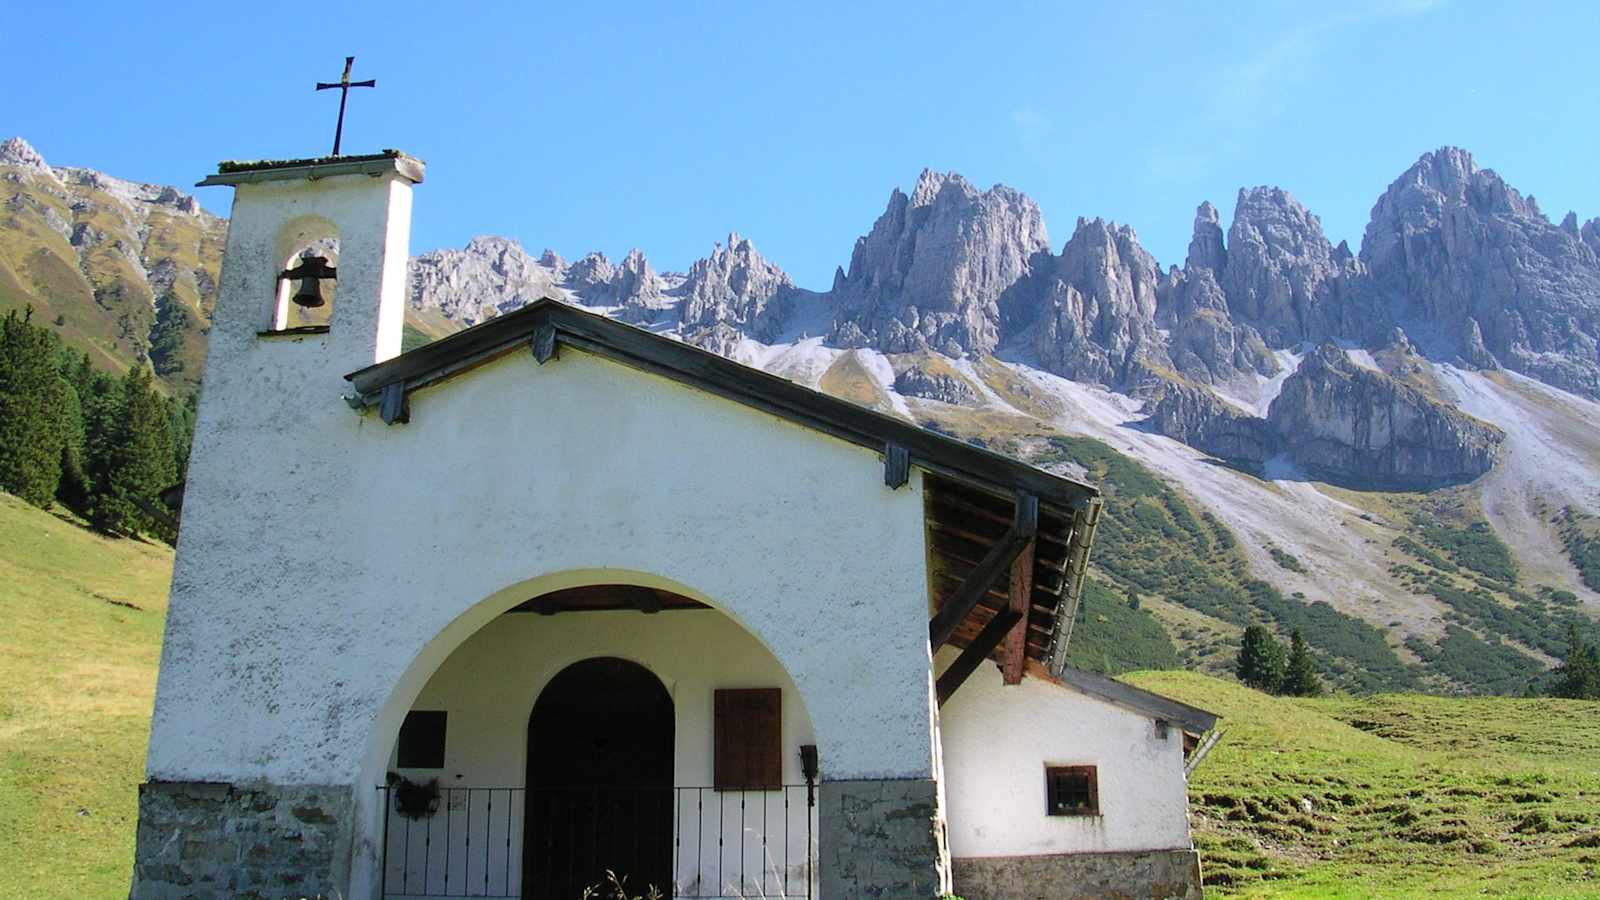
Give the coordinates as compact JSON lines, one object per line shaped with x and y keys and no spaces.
{"x":554,"y":597}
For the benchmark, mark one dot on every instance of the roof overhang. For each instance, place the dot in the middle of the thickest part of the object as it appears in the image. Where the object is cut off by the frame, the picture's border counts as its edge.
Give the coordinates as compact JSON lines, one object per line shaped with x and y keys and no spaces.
{"x":560,"y":324}
{"x":971,"y":492}
{"x":1192,"y":719}
{"x":233,"y":174}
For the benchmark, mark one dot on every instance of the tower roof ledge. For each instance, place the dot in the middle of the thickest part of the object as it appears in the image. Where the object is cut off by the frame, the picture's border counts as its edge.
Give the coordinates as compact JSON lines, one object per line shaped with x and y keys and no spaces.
{"x":234,"y":172}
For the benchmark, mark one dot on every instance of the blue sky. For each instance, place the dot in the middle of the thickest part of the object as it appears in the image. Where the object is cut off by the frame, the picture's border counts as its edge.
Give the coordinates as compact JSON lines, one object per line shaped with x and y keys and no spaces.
{"x":663,"y":126}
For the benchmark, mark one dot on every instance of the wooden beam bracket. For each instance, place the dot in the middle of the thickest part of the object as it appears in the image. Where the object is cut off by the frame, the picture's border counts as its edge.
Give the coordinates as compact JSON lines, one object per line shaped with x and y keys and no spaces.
{"x":896,"y":465}
{"x":392,"y":407}
{"x":1024,"y":526}
{"x":976,"y":652}
{"x":543,"y":343}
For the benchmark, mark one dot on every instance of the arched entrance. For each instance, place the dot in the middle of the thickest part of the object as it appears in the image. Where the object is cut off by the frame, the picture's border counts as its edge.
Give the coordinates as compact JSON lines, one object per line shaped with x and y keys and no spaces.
{"x":599,"y":781}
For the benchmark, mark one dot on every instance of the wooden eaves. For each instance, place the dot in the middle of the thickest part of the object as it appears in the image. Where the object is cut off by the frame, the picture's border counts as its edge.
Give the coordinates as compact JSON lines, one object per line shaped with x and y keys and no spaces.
{"x":1038,"y":576}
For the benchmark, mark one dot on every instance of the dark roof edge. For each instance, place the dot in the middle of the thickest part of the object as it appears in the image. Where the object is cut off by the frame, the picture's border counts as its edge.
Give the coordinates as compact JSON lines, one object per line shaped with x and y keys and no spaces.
{"x":691,"y":365}
{"x":1192,"y":719}
{"x":375,"y":164}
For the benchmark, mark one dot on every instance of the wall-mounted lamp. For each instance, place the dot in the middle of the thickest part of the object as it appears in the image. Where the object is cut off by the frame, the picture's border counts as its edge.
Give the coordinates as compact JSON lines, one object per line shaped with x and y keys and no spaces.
{"x":808,"y":768}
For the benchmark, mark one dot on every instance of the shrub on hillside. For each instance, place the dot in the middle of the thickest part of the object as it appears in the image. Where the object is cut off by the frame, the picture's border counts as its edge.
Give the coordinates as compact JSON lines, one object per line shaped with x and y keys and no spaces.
{"x":1261,"y":661}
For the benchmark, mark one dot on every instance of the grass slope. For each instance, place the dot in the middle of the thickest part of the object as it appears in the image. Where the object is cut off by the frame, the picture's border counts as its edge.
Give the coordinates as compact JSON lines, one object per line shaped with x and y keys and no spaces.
{"x":79,"y":669}
{"x":1396,"y":795}
{"x":1409,"y":795}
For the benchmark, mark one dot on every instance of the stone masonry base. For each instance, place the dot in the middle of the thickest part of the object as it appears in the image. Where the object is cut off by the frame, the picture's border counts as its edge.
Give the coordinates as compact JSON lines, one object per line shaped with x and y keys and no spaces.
{"x":199,"y":840}
{"x":1152,"y":874}
{"x":878,"y":838}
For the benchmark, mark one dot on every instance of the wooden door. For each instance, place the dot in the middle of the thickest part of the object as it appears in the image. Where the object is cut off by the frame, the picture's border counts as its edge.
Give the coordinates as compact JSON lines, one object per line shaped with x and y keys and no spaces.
{"x":600,"y":748}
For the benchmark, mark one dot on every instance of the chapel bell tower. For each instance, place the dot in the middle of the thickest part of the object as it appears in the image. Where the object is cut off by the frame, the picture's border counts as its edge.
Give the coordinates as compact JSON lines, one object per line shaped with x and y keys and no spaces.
{"x":314,"y":274}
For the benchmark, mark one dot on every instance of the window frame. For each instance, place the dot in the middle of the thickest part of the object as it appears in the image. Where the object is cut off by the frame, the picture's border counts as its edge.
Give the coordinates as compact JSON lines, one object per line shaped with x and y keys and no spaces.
{"x":1088,"y":771}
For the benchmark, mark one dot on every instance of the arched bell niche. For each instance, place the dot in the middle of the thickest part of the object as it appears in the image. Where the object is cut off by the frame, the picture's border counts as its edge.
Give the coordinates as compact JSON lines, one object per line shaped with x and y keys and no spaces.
{"x":307,"y":250}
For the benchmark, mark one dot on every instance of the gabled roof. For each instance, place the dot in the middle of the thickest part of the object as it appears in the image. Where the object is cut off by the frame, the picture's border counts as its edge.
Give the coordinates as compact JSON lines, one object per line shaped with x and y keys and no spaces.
{"x":972,"y":493}
{"x":1192,"y":719}
{"x":685,"y":363}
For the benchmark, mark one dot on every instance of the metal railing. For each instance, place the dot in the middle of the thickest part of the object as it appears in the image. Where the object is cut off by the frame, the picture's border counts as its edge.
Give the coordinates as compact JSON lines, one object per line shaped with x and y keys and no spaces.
{"x":686,"y":842}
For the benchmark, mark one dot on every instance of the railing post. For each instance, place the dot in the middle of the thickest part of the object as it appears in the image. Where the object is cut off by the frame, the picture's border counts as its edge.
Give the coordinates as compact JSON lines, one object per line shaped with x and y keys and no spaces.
{"x":383,"y":873}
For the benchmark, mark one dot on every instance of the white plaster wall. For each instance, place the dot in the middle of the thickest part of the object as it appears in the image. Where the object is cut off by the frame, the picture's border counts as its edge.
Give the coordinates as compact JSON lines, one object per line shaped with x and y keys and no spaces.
{"x":489,"y":685}
{"x":998,"y":740}
{"x":329,"y":563}
{"x":323,"y":552}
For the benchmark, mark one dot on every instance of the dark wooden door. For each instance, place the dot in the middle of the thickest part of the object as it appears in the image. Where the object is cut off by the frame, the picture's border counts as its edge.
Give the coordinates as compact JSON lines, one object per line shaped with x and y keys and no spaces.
{"x":600,"y":744}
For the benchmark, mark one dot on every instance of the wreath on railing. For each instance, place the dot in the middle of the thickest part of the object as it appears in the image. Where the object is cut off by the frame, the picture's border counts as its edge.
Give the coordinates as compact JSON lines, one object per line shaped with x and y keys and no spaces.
{"x":414,"y":799}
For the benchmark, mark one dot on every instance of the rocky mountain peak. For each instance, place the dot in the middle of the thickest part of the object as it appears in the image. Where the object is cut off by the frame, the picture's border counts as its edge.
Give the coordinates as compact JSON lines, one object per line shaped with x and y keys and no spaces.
{"x":487,"y":277}
{"x":491,"y":245}
{"x":1206,"y":249}
{"x":736,"y":287}
{"x":1455,"y":249}
{"x":1446,"y":171}
{"x":637,"y":289}
{"x":1443,"y":179}
{"x":931,"y":271}
{"x":1098,"y":305}
{"x":18,"y":152}
{"x":931,"y":185}
{"x":591,"y":270}
{"x":1280,"y":266}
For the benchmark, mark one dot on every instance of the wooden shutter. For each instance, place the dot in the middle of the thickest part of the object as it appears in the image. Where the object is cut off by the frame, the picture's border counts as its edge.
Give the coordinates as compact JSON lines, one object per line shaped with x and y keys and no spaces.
{"x":749,"y":740}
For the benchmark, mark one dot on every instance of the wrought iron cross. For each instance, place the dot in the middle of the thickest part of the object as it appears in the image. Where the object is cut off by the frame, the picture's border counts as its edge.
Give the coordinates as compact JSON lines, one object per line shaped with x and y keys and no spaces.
{"x":344,"y":85}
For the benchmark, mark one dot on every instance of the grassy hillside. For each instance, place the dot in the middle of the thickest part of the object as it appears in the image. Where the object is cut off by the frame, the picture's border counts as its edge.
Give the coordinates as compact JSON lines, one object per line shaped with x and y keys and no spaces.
{"x":1396,"y":795}
{"x":121,"y":283}
{"x":1393,"y":795}
{"x":78,"y":653}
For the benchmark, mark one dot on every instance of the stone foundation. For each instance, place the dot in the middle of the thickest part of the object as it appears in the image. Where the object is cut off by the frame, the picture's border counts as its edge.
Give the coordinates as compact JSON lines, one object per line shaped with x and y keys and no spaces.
{"x":879,"y":839}
{"x":262,"y":842}
{"x":1152,"y":874}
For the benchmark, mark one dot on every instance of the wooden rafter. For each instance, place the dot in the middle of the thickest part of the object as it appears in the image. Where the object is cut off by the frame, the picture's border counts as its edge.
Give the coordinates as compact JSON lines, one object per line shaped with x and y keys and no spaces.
{"x":1004,"y":552}
{"x":977,"y":651}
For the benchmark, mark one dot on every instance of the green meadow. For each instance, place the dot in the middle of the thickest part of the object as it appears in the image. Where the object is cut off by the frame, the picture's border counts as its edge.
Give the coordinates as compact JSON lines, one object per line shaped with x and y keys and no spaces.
{"x":1393,"y":795}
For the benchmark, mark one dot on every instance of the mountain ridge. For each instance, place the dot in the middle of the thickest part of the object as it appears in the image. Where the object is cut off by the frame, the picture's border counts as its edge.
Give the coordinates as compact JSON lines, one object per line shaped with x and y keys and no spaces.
{"x":1296,"y":392}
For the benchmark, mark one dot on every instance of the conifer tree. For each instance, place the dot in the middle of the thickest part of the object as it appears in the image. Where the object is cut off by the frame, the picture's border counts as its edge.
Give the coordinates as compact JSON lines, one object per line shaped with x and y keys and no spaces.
{"x":1261,"y":663}
{"x":1578,"y":678}
{"x":136,"y":457}
{"x":72,"y":488}
{"x":31,"y":430}
{"x":1300,"y":679}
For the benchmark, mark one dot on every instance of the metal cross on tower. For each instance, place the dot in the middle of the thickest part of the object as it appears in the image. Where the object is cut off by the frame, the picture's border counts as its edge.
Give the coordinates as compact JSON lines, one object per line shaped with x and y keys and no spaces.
{"x":344,"y":85}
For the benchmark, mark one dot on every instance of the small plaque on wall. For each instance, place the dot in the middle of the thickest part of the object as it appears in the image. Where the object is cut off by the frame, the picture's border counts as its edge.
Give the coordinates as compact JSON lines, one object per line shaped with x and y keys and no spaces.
{"x":748,"y":743}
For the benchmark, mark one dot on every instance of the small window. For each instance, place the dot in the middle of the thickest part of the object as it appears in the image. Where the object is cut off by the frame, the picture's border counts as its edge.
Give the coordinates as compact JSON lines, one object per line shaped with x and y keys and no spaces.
{"x":422,"y":740}
{"x":1071,"y":791}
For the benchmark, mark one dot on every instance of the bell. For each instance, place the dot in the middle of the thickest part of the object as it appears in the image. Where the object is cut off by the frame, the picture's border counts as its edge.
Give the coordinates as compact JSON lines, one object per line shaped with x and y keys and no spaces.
{"x":309,"y":294}
{"x":311,"y":272}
